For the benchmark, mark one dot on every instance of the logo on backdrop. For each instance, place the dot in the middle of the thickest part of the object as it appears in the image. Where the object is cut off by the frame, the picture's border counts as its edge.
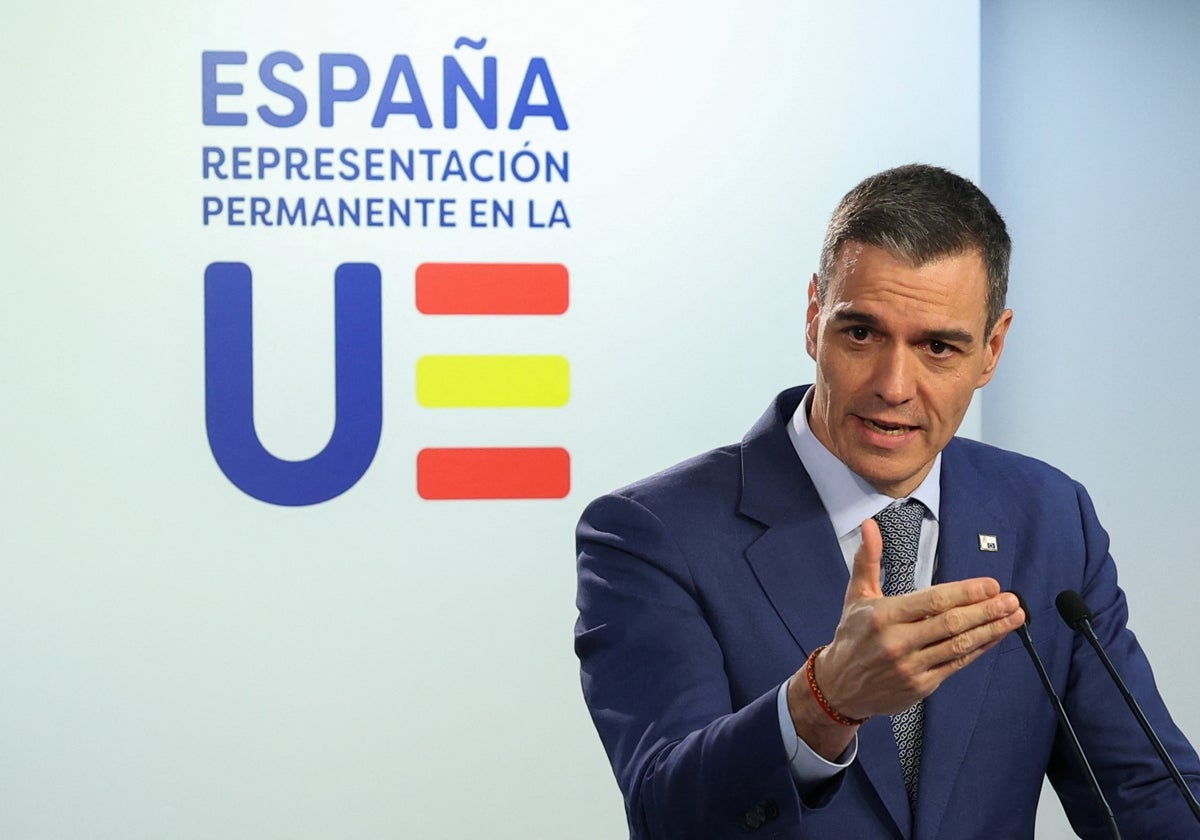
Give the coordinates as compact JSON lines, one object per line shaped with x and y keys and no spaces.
{"x":255,"y":186}
{"x":418,"y":185}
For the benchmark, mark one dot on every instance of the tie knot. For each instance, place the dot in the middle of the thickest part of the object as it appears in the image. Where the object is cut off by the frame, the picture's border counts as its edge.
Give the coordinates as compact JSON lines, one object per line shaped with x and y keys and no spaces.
{"x":900,"y":519}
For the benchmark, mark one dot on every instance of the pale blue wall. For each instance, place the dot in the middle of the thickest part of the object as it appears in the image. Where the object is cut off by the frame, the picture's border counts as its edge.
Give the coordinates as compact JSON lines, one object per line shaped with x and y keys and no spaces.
{"x":1091,"y":150}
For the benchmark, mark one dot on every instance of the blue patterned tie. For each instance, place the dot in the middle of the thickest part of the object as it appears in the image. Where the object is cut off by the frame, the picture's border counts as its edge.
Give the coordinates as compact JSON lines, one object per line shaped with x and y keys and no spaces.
{"x":900,"y":526}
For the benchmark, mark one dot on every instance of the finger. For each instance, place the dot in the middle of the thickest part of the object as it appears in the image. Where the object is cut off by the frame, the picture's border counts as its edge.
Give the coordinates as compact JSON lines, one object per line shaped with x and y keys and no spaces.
{"x":962,"y":629}
{"x":939,"y":599}
{"x":971,"y":643}
{"x":939,"y":673}
{"x":959,"y":620}
{"x":933,"y":676}
{"x":864,"y":573}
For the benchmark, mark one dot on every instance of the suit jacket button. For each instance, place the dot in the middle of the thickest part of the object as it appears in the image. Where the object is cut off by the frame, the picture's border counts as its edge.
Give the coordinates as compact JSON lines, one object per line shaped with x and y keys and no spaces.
{"x":754,"y":818}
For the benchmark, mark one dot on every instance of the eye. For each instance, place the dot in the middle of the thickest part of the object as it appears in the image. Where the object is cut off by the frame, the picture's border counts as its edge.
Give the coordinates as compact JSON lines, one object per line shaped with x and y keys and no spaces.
{"x":859,"y":333}
{"x":940,"y":348}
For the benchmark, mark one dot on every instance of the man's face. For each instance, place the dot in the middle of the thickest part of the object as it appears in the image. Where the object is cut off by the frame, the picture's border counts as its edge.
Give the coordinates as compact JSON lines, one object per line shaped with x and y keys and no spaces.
{"x":899,"y":352}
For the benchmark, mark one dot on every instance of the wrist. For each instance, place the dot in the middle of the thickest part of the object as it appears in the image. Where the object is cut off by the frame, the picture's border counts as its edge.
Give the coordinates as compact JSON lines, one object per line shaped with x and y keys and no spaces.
{"x":814,"y":687}
{"x":813,"y":726}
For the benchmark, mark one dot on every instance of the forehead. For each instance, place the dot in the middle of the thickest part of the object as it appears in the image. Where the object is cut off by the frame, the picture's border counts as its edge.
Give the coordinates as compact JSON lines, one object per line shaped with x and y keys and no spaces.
{"x":952,"y":287}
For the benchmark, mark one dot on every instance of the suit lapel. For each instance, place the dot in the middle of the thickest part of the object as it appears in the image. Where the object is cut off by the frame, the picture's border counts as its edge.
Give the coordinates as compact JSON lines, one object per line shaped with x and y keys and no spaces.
{"x":968,"y":515}
{"x":799,"y":564}
{"x":796,"y":560}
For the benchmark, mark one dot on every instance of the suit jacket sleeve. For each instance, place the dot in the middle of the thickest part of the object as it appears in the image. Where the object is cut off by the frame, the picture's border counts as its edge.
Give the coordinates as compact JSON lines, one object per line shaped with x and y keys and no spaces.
{"x":688,"y":763}
{"x":1145,"y":801}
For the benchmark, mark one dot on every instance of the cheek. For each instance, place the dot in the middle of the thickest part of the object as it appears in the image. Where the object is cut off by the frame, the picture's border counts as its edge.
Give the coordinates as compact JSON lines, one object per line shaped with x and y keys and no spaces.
{"x":831,"y":371}
{"x":950,"y":401}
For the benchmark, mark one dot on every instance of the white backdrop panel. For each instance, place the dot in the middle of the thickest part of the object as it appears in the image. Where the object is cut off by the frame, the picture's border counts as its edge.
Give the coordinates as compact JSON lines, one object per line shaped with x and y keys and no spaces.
{"x":182,"y":660}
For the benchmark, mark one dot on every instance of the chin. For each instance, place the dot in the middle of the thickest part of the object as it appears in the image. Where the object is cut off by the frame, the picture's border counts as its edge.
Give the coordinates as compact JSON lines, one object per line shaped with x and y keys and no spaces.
{"x":886,"y":479}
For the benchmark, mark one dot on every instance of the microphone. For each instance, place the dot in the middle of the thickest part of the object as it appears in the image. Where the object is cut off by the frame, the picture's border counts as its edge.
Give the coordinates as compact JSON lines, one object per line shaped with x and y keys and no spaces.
{"x":1074,"y":611}
{"x":1064,"y":722}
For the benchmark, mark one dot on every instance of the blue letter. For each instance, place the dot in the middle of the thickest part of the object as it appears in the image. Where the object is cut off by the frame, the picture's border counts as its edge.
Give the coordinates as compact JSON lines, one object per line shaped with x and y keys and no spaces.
{"x":329,"y":94}
{"x":454,"y":79}
{"x":229,"y":389}
{"x":276,"y":85}
{"x":401,"y":69}
{"x":210,"y":88}
{"x":524,"y":108}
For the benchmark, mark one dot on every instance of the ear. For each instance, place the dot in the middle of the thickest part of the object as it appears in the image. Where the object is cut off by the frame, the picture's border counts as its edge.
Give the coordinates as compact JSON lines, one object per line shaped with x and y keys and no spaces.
{"x":994,"y":347}
{"x":810,"y":323}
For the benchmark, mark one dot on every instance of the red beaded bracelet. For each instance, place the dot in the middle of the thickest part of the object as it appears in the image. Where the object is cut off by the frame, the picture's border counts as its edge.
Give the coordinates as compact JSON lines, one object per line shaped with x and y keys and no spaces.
{"x":810,"y":672}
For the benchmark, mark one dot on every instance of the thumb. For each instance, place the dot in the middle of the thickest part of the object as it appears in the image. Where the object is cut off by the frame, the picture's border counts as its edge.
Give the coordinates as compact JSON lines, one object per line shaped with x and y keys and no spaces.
{"x":864,"y":575}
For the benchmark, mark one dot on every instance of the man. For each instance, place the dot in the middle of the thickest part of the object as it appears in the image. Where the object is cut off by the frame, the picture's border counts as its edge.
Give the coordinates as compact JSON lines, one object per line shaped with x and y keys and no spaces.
{"x":749,"y":664}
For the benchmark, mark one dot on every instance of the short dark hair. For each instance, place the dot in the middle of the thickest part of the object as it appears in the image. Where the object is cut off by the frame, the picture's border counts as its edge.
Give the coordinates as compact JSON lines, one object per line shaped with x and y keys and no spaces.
{"x":921,"y":213}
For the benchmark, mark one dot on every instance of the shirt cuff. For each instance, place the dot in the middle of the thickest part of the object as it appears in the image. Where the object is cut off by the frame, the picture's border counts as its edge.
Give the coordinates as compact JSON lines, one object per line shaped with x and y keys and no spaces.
{"x":808,"y":769}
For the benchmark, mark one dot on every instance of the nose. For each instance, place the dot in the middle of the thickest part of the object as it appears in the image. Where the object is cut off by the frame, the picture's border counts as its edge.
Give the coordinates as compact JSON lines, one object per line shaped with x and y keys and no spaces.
{"x":895,"y":375}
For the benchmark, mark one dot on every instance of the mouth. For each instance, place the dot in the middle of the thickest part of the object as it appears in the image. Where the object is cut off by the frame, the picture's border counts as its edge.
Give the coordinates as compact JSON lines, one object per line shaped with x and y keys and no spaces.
{"x":889,"y":429}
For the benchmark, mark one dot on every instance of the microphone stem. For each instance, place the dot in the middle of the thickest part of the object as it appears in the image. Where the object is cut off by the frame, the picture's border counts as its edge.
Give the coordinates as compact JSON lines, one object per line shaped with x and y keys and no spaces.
{"x":1065,"y":723}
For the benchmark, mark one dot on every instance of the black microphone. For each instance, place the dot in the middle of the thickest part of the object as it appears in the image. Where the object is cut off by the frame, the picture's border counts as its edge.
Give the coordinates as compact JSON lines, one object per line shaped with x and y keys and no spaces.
{"x":1074,"y":611}
{"x":1064,"y":722}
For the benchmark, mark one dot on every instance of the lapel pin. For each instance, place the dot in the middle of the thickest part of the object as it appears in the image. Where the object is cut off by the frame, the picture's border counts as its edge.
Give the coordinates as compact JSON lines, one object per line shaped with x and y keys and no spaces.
{"x":988,"y":542}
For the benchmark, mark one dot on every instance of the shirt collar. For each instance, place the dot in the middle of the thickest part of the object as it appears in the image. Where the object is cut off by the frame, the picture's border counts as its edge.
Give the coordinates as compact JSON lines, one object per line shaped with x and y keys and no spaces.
{"x":847,"y":497}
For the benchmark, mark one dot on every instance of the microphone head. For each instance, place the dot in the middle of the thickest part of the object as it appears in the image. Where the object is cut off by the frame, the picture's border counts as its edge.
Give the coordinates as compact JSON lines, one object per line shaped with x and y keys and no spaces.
{"x":1024,"y":606}
{"x":1073,"y":609}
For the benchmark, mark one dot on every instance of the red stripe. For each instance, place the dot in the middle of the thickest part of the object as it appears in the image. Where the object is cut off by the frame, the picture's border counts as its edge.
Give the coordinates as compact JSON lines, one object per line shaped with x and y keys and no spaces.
{"x":492,"y":288}
{"x":526,"y":473}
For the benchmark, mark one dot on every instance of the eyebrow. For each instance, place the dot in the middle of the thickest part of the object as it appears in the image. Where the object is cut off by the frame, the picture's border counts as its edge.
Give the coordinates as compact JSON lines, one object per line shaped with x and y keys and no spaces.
{"x":951,"y":335}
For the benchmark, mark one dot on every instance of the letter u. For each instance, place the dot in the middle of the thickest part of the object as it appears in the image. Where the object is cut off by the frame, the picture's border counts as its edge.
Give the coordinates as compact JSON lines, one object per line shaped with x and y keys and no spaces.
{"x":229,"y":389}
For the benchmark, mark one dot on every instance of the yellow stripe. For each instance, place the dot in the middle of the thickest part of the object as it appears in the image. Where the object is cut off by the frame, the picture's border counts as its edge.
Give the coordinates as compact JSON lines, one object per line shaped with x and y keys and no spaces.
{"x":493,"y":381}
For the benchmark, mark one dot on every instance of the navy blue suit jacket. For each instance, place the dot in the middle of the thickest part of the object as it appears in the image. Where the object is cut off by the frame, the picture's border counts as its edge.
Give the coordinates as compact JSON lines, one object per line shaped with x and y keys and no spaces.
{"x":703,"y":588}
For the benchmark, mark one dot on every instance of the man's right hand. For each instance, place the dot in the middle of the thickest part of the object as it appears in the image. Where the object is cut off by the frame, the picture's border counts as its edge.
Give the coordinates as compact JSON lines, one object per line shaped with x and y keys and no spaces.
{"x":889,"y":652}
